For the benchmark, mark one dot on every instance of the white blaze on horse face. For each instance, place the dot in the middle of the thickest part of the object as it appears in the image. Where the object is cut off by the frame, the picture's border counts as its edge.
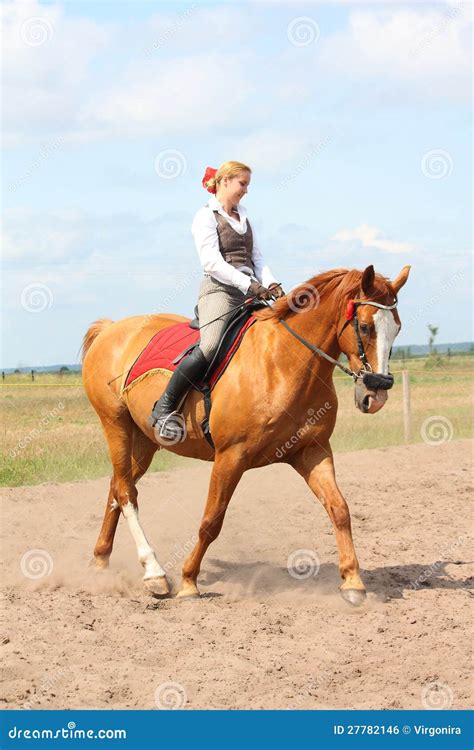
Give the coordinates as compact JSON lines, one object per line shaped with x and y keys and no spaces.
{"x":386,"y":329}
{"x":146,"y":555}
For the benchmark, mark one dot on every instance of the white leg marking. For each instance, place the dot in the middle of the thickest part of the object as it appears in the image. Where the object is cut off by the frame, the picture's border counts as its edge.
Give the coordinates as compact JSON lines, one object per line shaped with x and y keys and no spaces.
{"x":386,"y":330}
{"x":114,"y":504}
{"x":145,"y":553}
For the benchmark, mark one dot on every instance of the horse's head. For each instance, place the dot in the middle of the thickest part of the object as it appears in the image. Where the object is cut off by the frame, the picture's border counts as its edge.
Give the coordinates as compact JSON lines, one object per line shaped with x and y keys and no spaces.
{"x":368,"y":328}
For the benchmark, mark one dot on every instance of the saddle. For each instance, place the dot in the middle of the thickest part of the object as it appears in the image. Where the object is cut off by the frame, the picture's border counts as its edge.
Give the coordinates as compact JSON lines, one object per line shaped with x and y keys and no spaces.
{"x":168,"y":347}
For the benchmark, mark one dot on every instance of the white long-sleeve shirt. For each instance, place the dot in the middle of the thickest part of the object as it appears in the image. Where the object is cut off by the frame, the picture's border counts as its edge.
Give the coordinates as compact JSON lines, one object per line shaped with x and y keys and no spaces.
{"x":204,"y":230}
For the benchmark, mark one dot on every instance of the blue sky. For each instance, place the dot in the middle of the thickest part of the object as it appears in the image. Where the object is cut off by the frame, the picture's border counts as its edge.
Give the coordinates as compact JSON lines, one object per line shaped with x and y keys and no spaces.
{"x":355,"y":118}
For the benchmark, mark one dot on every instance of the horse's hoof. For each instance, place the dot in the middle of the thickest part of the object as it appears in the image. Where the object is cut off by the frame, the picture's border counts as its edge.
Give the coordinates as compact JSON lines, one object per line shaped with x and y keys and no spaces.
{"x":188,"y":591}
{"x":158,"y":586}
{"x":355,"y":597}
{"x":99,"y":563}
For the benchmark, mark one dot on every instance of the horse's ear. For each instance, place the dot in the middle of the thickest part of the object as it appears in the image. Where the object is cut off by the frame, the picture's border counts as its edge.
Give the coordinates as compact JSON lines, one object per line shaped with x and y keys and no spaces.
{"x":401,"y":278}
{"x":368,"y":277}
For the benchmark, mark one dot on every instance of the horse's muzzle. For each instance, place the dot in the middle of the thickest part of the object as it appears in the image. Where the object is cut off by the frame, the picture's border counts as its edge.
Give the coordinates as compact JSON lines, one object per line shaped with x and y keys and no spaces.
{"x":370,"y":399}
{"x":374,"y":381}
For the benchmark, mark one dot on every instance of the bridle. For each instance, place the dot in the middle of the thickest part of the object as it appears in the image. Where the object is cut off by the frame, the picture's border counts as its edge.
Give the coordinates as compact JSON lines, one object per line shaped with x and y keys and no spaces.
{"x":372,"y":380}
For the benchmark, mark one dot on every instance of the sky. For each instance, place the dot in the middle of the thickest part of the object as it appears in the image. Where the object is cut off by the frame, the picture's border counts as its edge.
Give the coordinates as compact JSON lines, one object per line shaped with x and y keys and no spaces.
{"x":355,"y":118}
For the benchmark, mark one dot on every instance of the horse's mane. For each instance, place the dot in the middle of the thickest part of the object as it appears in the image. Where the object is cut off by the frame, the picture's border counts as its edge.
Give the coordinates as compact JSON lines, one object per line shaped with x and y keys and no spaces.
{"x":343,"y":283}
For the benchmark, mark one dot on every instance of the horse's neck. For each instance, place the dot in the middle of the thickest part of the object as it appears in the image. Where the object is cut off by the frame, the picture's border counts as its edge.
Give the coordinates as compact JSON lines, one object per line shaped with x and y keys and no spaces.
{"x":318,"y":328}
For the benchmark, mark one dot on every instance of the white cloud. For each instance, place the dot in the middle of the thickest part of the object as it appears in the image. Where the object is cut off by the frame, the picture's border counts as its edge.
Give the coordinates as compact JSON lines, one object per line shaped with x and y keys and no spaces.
{"x":97,"y":244}
{"x":47,"y":60}
{"x":181,"y":72}
{"x":427,"y":47}
{"x":151,"y":98}
{"x":372,"y":237}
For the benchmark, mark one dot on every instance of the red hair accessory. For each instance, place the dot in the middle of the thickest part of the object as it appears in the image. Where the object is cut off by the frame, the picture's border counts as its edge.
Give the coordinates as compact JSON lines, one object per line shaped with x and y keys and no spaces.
{"x":206,"y":180}
{"x":350,"y":310}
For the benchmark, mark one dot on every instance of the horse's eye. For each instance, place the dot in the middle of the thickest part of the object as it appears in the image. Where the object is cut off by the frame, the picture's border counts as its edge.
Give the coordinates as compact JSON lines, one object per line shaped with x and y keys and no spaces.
{"x":365,"y":329}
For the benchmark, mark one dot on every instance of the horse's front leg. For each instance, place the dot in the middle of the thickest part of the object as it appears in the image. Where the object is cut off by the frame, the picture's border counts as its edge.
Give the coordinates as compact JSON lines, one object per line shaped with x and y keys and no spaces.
{"x":226,"y":473}
{"x":316,"y":466}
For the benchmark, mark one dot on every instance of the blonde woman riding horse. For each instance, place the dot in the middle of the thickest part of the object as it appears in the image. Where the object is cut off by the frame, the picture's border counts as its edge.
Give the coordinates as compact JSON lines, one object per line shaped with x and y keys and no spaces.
{"x":234,"y":270}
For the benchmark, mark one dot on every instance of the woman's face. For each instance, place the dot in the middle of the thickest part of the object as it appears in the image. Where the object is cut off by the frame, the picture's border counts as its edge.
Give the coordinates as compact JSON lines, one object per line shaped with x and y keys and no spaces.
{"x":236,"y":187}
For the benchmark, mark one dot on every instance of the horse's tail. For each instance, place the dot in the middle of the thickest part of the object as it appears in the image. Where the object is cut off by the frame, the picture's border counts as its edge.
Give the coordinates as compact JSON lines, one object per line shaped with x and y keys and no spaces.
{"x":92,"y":332}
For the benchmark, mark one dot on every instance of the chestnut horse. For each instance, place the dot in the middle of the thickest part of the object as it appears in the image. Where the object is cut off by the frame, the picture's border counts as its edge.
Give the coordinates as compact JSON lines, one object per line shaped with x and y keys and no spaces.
{"x":261,"y":403}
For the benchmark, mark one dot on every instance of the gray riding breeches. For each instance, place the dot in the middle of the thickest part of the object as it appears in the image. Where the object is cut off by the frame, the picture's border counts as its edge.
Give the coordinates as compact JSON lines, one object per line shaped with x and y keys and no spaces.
{"x":215,"y":299}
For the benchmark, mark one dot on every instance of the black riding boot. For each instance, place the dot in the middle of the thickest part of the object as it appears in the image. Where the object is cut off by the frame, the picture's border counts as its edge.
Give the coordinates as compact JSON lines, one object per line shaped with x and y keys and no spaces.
{"x":188,"y":373}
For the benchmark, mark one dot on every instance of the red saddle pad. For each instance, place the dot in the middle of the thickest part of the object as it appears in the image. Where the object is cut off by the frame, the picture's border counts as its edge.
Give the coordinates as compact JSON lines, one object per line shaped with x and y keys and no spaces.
{"x":160,"y":351}
{"x":169,"y":343}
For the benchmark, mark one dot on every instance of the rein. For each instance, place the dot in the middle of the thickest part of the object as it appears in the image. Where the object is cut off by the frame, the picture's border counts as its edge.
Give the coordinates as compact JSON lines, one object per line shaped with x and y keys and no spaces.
{"x":372,"y":380}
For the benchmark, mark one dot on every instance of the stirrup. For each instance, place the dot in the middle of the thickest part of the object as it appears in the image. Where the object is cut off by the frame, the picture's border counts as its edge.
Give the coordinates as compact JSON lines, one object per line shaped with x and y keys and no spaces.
{"x":175,"y":422}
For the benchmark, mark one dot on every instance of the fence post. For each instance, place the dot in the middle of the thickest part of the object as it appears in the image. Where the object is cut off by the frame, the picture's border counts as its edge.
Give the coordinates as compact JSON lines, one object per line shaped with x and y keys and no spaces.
{"x":406,"y":405}
{"x":32,"y":374}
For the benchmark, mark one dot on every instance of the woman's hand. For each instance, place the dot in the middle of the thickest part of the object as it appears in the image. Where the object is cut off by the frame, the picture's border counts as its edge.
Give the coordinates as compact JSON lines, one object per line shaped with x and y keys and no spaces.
{"x":257,"y":290}
{"x":276,"y":290}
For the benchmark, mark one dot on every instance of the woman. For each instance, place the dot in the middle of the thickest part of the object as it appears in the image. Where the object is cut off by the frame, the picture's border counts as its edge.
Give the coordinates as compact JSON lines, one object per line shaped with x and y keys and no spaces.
{"x":234,"y":270}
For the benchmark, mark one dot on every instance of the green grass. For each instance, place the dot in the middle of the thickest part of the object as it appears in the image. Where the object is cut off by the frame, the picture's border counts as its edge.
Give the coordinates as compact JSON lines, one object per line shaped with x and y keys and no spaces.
{"x":50,"y":432}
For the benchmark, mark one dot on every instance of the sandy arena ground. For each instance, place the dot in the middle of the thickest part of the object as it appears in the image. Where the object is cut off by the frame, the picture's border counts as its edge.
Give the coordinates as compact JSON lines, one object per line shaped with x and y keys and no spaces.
{"x":259,"y":637}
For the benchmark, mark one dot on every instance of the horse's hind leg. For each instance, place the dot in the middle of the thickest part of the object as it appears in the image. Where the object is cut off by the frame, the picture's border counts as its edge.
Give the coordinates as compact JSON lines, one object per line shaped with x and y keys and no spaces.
{"x":143,"y":451}
{"x":105,"y":540}
{"x":226,"y":473}
{"x":131,"y":453}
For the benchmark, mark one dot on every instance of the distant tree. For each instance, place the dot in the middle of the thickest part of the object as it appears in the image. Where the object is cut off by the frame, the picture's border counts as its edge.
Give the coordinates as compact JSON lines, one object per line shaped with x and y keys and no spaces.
{"x":433,"y":333}
{"x":64,"y":369}
{"x":17,"y":371}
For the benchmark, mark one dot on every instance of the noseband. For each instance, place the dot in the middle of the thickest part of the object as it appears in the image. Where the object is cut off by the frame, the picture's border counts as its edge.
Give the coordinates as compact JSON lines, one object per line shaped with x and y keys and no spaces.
{"x":372,"y":380}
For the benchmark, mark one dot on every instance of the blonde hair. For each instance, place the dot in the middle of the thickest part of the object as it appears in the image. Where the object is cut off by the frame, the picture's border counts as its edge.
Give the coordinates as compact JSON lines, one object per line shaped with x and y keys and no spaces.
{"x":228,"y":169}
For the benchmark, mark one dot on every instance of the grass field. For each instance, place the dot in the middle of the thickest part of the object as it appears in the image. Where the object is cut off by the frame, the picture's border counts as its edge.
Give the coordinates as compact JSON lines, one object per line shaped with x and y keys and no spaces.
{"x":51,"y":433}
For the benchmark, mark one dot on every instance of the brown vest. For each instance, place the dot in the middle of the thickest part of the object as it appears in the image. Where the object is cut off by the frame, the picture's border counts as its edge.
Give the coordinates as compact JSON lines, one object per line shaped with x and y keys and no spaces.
{"x":235,"y":248}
